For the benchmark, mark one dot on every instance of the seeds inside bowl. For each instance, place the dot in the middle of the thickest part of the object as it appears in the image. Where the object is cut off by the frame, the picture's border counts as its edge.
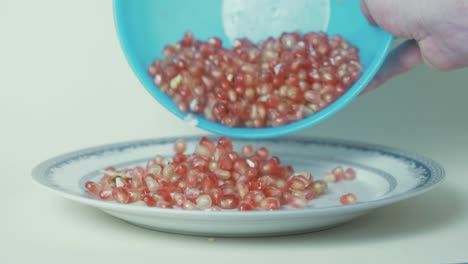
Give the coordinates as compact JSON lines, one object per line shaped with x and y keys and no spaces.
{"x":213,"y":177}
{"x":269,"y":84}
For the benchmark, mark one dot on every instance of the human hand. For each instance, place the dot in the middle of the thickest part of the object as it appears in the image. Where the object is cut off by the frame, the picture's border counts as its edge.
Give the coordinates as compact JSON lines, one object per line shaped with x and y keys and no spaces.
{"x":437,"y":33}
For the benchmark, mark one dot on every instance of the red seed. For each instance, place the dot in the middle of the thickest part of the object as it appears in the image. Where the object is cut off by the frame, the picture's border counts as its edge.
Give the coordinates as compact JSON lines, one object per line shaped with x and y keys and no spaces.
{"x":191,"y":193}
{"x":242,"y":189}
{"x":105,"y":194}
{"x":135,"y":194}
{"x":229,"y":202}
{"x":177,"y":199}
{"x":151,"y":183}
{"x":121,"y":195}
{"x":254,"y":197}
{"x":188,"y":205}
{"x":246,"y":207}
{"x":349,"y":174}
{"x":93,"y":187}
{"x":296,"y":184}
{"x":319,"y":187}
{"x":263,"y":153}
{"x":187,"y":39}
{"x":348,"y":198}
{"x":180,"y":146}
{"x":204,"y":201}
{"x":216,"y":195}
{"x":226,"y":143}
{"x":270,"y":203}
{"x":338,"y":172}
{"x":149,"y":200}
{"x":271,"y":191}
{"x":181,"y":170}
{"x":225,"y":163}
{"x":247,"y":151}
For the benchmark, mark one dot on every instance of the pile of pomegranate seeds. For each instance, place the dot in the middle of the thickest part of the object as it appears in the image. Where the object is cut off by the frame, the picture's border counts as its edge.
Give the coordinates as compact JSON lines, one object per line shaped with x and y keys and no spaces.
{"x":269,"y":84}
{"x":213,"y":177}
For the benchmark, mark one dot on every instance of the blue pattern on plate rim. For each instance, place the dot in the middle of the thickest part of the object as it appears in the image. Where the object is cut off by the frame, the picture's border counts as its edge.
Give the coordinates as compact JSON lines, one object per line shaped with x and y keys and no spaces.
{"x":428,"y":171}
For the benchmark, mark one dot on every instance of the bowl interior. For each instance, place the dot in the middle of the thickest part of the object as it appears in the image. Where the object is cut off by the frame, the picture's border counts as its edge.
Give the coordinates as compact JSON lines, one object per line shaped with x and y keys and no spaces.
{"x":144,"y":27}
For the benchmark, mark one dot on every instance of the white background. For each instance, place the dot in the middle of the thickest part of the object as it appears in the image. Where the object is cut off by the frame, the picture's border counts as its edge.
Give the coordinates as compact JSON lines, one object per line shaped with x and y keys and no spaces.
{"x":65,"y":85}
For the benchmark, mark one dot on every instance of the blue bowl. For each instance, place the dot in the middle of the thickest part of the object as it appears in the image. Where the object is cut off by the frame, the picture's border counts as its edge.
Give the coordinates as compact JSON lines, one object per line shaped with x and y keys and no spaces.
{"x":144,"y":27}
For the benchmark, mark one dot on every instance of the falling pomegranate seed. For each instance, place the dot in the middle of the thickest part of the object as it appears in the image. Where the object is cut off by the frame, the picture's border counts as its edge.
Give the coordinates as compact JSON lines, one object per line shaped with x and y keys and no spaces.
{"x":255,"y":85}
{"x":216,"y":177}
{"x":348,"y":198}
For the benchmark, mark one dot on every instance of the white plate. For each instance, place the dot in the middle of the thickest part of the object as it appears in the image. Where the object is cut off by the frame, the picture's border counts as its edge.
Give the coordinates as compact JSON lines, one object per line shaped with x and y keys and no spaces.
{"x":384,"y":176}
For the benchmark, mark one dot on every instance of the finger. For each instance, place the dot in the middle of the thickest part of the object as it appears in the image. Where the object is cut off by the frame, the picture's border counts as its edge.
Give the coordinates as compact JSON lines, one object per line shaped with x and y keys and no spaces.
{"x":366,"y":12}
{"x":400,"y":60}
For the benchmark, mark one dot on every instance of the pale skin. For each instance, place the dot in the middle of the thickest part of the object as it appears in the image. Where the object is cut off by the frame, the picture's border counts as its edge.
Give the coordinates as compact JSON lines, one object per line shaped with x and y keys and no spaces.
{"x":436,"y":33}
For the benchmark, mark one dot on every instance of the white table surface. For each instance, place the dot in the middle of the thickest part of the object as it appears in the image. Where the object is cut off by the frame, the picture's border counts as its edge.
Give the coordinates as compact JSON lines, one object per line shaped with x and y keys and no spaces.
{"x":65,"y":85}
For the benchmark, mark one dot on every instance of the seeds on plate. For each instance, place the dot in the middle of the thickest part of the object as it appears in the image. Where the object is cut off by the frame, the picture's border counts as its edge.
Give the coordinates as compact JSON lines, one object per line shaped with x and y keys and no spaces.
{"x":216,"y":177}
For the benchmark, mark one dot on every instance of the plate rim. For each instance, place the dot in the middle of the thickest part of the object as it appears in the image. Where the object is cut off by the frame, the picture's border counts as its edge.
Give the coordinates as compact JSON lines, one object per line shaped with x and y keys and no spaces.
{"x":40,"y":168}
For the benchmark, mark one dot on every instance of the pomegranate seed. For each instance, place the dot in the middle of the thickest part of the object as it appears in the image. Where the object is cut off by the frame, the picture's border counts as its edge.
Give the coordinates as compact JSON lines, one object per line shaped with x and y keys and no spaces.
{"x":222,"y":174}
{"x":240,"y":166}
{"x":338,"y":172}
{"x":263,"y":153}
{"x":252,"y":163}
{"x":296,"y":184}
{"x":270,"y":203}
{"x":135,"y":194}
{"x":246,"y":207}
{"x":348,"y":198}
{"x":269,"y":167}
{"x":149,"y":200}
{"x":181,"y":170}
{"x":191,"y":193}
{"x":105,"y":194}
{"x":180,"y":146}
{"x":151,"y":183}
{"x":319,"y":187}
{"x":254,"y":197}
{"x":242,"y":189}
{"x":298,"y":201}
{"x":226,"y":143}
{"x":204,"y":201}
{"x":225,"y":163}
{"x":187,"y":40}
{"x":177,"y":199}
{"x":168,"y":171}
{"x":121,"y":195}
{"x":107,"y":182}
{"x":349,"y":174}
{"x":93,"y":187}
{"x":153,"y":169}
{"x":188,"y":205}
{"x":216,"y":195}
{"x":247,"y":151}
{"x":229,"y":202}
{"x":271,"y":191}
